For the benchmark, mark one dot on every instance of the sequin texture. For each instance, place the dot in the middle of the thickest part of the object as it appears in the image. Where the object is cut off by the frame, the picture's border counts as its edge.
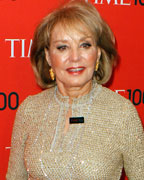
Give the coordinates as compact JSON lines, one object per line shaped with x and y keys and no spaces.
{"x":110,"y":138}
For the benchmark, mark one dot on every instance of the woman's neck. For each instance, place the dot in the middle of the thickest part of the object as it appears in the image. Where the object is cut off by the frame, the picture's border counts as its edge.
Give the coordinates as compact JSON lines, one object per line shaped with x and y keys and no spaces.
{"x":74,"y":92}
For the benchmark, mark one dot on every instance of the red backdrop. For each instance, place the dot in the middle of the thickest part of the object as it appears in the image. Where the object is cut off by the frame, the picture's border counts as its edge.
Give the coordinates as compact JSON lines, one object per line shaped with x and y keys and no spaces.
{"x":18,"y":21}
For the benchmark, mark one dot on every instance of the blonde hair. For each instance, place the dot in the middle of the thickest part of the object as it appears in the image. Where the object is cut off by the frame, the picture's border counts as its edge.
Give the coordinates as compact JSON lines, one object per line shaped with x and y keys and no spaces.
{"x":73,"y":14}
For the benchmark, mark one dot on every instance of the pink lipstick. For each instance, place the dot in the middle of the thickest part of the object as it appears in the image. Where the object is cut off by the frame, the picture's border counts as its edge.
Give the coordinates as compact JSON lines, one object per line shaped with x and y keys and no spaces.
{"x":75,"y":70}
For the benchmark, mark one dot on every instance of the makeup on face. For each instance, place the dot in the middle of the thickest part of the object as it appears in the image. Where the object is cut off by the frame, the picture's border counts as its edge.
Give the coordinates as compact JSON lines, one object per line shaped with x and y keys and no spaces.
{"x":72,"y":55}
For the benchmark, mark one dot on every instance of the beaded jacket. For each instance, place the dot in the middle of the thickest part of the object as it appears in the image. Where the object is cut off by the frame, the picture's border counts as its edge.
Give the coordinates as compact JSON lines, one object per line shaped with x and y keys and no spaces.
{"x":110,"y":138}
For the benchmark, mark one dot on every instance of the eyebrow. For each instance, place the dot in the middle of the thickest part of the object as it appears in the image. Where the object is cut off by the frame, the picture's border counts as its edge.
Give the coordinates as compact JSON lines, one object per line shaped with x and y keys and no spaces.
{"x":64,"y":41}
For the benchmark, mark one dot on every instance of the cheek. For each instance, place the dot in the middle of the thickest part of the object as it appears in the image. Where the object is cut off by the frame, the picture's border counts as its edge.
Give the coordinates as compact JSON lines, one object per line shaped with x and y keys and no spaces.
{"x":58,"y":59}
{"x":91,"y":59}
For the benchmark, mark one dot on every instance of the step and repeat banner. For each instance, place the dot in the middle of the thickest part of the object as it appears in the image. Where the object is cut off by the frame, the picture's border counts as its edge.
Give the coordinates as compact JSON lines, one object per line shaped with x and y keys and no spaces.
{"x":18,"y":20}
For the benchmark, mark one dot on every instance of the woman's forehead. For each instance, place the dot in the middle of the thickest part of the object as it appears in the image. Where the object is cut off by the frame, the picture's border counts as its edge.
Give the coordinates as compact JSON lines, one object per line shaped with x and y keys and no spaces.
{"x":61,"y":29}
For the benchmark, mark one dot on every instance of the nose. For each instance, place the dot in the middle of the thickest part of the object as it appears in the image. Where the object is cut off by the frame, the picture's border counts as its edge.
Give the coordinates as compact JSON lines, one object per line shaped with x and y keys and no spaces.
{"x":75,"y":54}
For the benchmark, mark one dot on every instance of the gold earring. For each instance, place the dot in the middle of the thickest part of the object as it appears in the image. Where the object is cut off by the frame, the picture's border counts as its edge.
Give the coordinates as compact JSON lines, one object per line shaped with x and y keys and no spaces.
{"x":97,"y":66}
{"x":51,"y":74}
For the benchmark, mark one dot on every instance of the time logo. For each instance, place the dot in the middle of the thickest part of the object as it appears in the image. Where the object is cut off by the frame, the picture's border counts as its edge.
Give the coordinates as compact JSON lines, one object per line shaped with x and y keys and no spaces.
{"x":10,"y":101}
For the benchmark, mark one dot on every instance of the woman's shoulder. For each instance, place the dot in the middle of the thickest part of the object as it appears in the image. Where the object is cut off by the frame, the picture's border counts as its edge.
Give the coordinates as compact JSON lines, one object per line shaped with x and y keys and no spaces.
{"x":118,"y":107}
{"x":110,"y":95}
{"x":44,"y":95}
{"x":109,"y":98}
{"x":38,"y":101}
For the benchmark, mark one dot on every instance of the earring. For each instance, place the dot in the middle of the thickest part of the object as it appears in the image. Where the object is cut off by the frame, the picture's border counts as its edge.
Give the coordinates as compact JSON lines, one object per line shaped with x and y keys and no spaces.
{"x":97,"y":66}
{"x":51,"y":74}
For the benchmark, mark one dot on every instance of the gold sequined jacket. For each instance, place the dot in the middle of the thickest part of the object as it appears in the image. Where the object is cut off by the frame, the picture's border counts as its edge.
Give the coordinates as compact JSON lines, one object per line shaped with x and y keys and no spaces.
{"x":110,"y":138}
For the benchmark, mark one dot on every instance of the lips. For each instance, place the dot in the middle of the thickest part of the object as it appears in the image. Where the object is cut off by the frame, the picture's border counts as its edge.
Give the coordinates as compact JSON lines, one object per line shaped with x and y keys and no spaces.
{"x":75,"y":70}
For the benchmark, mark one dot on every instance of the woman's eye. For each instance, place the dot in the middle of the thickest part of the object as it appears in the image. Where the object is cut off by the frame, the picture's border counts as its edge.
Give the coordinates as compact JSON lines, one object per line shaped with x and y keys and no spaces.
{"x":61,"y":48}
{"x":86,"y":45}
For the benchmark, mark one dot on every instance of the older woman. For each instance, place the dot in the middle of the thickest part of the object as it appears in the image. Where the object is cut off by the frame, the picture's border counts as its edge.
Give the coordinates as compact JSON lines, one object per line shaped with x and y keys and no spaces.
{"x":76,"y":128}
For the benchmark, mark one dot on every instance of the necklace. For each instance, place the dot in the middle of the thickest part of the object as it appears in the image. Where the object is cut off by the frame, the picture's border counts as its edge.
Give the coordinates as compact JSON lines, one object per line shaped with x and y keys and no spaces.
{"x":77,"y":105}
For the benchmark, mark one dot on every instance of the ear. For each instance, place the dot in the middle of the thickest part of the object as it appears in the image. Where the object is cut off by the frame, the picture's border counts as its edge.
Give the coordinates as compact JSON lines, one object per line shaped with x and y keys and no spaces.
{"x":47,"y":56}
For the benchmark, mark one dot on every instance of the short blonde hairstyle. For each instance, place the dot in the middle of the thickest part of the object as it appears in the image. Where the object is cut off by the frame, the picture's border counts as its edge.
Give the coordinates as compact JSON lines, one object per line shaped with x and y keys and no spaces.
{"x":72,"y":15}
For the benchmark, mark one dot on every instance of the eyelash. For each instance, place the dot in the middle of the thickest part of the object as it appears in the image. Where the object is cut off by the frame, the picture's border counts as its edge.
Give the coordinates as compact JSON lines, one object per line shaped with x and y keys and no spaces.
{"x":84,"y":45}
{"x":63,"y":47}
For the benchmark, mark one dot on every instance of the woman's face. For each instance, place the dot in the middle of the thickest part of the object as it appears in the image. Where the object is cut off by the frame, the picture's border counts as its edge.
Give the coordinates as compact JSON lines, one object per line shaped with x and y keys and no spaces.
{"x":72,"y":55}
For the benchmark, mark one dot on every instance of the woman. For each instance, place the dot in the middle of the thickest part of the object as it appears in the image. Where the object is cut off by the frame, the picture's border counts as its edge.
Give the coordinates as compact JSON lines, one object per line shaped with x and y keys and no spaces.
{"x":75,"y":129}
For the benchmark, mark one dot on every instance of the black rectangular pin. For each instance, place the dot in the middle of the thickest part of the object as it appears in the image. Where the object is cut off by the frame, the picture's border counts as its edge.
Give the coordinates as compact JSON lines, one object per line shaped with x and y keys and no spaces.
{"x":76,"y":120}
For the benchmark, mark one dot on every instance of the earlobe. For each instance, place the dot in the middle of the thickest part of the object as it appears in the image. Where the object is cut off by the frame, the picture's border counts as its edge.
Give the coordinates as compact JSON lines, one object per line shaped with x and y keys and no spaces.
{"x":47,"y":56}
